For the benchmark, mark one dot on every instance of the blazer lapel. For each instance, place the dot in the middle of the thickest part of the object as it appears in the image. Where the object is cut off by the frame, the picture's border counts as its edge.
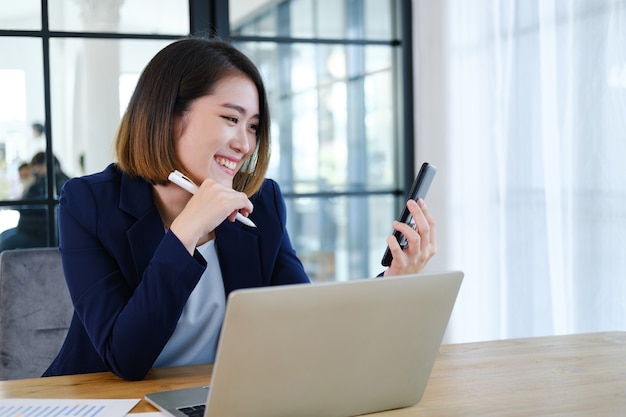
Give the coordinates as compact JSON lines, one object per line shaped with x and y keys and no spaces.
{"x":147,"y":232}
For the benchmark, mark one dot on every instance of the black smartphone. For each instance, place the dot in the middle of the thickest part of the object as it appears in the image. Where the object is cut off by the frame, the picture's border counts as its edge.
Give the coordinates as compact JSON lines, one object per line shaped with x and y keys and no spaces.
{"x":419,"y":189}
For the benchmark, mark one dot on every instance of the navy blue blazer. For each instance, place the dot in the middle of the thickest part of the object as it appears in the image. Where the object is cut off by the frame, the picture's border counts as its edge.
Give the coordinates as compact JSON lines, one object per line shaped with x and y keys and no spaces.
{"x":129,"y":279}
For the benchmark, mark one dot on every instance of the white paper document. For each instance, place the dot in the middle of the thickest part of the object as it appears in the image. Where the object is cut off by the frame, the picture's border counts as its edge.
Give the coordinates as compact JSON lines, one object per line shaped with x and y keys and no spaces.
{"x":39,"y":407}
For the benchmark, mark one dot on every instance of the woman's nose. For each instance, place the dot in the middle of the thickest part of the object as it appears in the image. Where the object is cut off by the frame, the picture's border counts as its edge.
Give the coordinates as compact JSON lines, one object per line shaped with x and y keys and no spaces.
{"x":243,"y":141}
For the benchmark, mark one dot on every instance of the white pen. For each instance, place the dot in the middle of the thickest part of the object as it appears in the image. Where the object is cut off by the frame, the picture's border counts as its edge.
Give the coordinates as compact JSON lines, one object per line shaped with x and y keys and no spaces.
{"x":182,"y":181}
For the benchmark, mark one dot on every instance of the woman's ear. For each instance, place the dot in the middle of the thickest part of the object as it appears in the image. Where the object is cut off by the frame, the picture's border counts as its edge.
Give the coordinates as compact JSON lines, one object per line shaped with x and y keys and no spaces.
{"x":179,"y":124}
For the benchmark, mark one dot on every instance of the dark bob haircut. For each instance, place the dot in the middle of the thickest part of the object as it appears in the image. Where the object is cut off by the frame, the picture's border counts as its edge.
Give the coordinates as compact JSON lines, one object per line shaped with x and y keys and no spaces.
{"x":180,"y":73}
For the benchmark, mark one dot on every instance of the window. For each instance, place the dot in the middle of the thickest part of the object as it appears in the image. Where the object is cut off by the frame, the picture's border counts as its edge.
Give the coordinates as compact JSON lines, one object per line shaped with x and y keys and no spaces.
{"x":332,"y":70}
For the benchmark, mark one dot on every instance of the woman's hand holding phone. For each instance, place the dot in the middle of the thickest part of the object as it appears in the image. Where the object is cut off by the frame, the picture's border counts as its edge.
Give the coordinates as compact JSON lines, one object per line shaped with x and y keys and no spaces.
{"x":413,"y":241}
{"x":420,"y":241}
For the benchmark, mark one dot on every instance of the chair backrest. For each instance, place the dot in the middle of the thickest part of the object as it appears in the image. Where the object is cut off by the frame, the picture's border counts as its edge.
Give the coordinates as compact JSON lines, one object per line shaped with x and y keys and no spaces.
{"x":35,"y":311}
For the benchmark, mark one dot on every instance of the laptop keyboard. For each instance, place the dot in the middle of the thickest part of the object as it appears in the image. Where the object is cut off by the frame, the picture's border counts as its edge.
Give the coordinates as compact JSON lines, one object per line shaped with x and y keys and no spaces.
{"x":194,"y":411}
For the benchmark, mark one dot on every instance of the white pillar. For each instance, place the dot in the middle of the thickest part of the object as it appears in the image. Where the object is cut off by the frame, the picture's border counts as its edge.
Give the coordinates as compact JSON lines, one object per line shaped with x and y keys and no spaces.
{"x":101,"y":72}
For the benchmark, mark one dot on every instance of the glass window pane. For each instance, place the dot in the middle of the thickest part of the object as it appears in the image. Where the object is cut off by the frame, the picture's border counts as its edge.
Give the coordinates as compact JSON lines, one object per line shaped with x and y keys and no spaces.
{"x":340,"y":238}
{"x":334,"y":115}
{"x":120,"y":16}
{"x":23,"y":227}
{"x":330,"y":20}
{"x":301,"y":25}
{"x":9,"y":217}
{"x":20,"y":15}
{"x":324,"y":19}
{"x":34,"y":177}
{"x":21,"y":106}
{"x":379,"y":19}
{"x":92,"y":81}
{"x":380,"y":117}
{"x":253,"y":18}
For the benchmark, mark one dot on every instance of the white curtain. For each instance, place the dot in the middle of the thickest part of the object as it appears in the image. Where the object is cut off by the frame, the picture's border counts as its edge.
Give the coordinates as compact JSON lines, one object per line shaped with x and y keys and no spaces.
{"x":522,"y":106}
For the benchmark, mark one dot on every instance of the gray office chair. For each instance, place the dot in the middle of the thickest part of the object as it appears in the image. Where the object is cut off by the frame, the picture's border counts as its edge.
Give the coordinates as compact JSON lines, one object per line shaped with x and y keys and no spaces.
{"x":35,"y":311}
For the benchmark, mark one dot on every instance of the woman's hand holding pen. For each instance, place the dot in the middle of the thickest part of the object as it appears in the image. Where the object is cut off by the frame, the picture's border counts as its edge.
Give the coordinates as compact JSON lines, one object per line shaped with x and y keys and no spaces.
{"x":206,"y":209}
{"x":422,"y":243}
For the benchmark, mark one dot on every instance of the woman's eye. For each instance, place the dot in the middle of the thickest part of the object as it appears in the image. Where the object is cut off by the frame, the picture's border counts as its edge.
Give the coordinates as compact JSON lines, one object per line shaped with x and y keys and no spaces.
{"x":254,"y":127}
{"x":231,"y":119}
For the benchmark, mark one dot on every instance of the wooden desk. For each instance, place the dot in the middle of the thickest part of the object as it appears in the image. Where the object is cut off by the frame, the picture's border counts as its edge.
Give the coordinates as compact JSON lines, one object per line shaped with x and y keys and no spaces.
{"x":574,"y":375}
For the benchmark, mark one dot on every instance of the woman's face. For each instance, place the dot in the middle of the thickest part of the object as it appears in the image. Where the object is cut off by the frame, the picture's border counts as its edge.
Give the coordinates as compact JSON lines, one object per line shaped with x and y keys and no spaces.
{"x":218,"y":132}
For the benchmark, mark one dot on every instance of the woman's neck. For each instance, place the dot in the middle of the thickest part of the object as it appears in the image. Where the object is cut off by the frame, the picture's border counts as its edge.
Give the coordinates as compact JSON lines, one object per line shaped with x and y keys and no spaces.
{"x":170,"y":201}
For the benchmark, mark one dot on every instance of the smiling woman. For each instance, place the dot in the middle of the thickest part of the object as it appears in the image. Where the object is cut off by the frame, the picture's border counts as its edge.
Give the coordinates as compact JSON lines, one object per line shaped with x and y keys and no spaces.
{"x":145,"y":259}
{"x":207,"y":116}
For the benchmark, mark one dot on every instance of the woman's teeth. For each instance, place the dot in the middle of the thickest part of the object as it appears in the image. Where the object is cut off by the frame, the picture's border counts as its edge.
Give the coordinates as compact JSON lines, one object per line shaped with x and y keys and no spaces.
{"x":227,"y":163}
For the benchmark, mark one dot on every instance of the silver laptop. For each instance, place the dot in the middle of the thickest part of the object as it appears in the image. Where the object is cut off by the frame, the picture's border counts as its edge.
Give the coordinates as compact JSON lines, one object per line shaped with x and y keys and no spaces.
{"x":327,"y":349}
